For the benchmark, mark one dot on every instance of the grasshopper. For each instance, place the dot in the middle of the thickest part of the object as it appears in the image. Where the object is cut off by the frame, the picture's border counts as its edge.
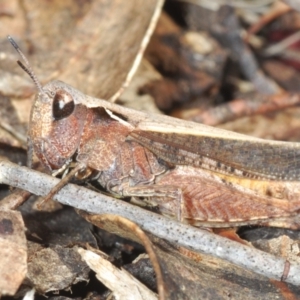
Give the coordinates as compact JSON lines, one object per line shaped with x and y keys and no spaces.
{"x":202,"y":175}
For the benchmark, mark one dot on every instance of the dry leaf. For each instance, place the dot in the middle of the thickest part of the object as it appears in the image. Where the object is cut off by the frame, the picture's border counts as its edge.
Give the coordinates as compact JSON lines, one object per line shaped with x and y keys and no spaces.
{"x":119,"y":281}
{"x":13,"y":256}
{"x":93,"y":45}
{"x":55,"y":269}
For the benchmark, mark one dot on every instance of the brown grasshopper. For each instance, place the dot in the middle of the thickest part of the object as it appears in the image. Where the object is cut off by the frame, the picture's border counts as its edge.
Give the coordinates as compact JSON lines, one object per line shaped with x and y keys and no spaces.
{"x":202,"y":175}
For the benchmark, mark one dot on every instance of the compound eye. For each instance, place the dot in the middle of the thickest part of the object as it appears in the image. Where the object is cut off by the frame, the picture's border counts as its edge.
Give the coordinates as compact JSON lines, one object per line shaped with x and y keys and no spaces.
{"x":63,"y":105}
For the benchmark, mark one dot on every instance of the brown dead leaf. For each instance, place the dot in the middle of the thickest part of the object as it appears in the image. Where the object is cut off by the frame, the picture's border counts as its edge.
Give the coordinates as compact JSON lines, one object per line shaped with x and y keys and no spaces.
{"x":92,"y":45}
{"x":120,"y":282}
{"x":56,"y":268}
{"x":13,"y":252}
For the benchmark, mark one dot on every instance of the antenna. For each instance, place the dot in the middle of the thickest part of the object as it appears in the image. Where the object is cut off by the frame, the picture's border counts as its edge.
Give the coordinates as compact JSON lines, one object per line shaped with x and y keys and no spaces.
{"x":27,"y":68}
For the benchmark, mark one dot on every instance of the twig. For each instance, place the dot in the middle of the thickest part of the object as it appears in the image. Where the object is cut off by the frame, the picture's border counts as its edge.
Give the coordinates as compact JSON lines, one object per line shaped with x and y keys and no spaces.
{"x":281,"y":46}
{"x":14,"y":200}
{"x":190,"y":237}
{"x":277,"y":10}
{"x":261,"y":104}
{"x":79,"y":167}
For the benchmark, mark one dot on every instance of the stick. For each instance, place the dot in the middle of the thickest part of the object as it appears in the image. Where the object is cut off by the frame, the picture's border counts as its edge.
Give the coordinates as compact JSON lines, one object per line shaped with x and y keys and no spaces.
{"x":187,"y":236}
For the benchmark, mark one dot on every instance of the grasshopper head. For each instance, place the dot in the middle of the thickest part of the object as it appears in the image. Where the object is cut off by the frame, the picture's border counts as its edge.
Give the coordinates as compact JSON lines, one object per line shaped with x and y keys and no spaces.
{"x":56,"y":121}
{"x":56,"y":125}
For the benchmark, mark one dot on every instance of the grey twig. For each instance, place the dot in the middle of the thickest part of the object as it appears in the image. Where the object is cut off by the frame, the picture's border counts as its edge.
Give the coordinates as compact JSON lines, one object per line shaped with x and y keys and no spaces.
{"x":173,"y":231}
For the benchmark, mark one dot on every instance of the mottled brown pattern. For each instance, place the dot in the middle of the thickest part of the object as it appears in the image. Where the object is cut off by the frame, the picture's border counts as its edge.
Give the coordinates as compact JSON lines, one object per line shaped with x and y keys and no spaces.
{"x":131,"y":168}
{"x":154,"y":157}
{"x":207,"y":201}
{"x":251,"y":158}
{"x":101,"y":140}
{"x":54,"y":142}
